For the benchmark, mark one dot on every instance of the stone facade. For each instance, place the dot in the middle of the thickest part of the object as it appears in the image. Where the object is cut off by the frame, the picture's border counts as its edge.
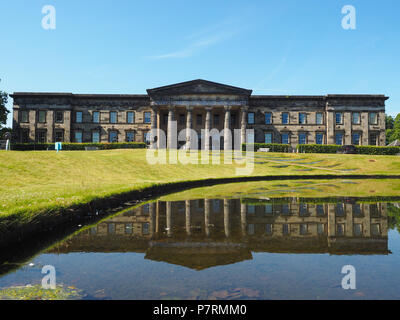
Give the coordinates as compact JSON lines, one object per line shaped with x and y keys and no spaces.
{"x":199,"y":105}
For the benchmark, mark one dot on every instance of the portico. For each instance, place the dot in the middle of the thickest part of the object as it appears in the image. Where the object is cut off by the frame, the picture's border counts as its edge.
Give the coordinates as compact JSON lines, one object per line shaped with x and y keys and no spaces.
{"x":210,"y":110}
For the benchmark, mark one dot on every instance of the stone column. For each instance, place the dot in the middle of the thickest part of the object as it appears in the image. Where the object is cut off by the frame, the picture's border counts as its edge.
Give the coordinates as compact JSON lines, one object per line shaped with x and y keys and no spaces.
{"x":169,"y":218}
{"x":188,"y":217}
{"x":170,"y":132}
{"x":227,"y":222}
{"x":189,"y":126}
{"x":227,"y":131}
{"x":243,"y":217}
{"x":207,"y":206}
{"x":243,"y":125}
{"x":207,"y":135}
{"x":154,"y":112}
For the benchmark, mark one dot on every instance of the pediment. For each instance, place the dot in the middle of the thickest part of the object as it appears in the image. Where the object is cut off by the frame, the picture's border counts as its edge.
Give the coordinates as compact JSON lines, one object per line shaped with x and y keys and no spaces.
{"x":196,"y":87}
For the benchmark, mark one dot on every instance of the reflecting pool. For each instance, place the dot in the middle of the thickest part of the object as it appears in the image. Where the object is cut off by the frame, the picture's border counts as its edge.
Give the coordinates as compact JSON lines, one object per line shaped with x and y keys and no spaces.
{"x":257,"y":243}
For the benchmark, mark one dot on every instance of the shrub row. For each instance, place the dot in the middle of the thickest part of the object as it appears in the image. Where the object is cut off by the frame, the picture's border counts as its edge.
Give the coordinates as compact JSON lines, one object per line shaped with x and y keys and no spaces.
{"x":320,"y":148}
{"x":273,"y":147}
{"x":66,"y":146}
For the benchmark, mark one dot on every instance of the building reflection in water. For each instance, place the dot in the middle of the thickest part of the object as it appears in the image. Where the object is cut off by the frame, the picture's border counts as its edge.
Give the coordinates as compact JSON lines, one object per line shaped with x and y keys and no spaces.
{"x":208,"y":232}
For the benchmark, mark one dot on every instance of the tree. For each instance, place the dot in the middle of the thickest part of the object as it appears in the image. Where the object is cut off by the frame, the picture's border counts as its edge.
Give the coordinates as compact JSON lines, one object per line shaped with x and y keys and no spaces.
{"x":3,"y":110}
{"x":392,"y":128}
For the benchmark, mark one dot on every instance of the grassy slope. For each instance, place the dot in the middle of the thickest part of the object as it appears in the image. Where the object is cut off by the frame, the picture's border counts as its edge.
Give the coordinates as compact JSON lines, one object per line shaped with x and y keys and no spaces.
{"x":32,"y":181}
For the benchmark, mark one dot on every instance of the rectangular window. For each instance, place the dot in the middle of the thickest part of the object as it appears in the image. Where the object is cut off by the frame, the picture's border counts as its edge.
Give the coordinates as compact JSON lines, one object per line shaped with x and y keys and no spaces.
{"x":319,"y":118}
{"x":216,"y":119}
{"x":303,"y":228}
{"x":128,"y":228}
{"x":320,"y":210}
{"x":24,"y":116}
{"x":145,"y":228}
{"x":357,"y":229}
{"x":302,"y":138}
{"x":373,"y":118}
{"x":111,"y":228}
{"x":199,"y":119}
{"x":268,"y":137}
{"x":375,"y":229}
{"x":147,"y":136}
{"x":302,"y":118}
{"x":59,"y":136}
{"x":339,"y":118}
{"x":250,"y":118}
{"x":59,"y":117}
{"x":285,"y":228}
{"x":268,"y":209}
{"x":78,"y":136}
{"x":285,"y":138}
{"x":130,"y":117}
{"x":268,"y":118}
{"x":42,"y":116}
{"x":250,"y":228}
{"x":96,"y":137}
{"x":339,"y":138}
{"x":113,"y":136}
{"x":355,"y":138}
{"x":268,"y":228}
{"x":319,"y":138}
{"x":147,"y":117}
{"x":285,"y":118}
{"x":78,"y":117}
{"x":355,"y":119}
{"x":373,"y":139}
{"x":41,"y":136}
{"x":130,"y":136}
{"x":320,"y":228}
{"x":96,"y":117}
{"x":113,"y":117}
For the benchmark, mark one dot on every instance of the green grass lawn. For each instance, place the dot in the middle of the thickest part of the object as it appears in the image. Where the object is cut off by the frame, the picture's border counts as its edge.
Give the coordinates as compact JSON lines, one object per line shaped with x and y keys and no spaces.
{"x":38,"y":180}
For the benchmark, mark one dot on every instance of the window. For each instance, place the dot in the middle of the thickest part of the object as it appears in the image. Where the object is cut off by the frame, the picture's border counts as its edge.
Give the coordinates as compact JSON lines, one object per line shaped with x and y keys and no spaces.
{"x":340,"y":229}
{"x":216,"y":119}
{"x":78,"y":136}
{"x":96,"y":137}
{"x":96,"y":117}
{"x":268,"y":137}
{"x":355,"y":138}
{"x":268,"y":228}
{"x":373,"y":139}
{"x":357,"y":210}
{"x":113,"y":136}
{"x":128,"y":228}
{"x":358,"y":229}
{"x":24,"y":117}
{"x":111,"y":228}
{"x":303,"y":229}
{"x":78,"y":117}
{"x":130,"y":136}
{"x":303,"y":210}
{"x":42,"y":116}
{"x":25,"y":135}
{"x":285,"y":138}
{"x":250,"y":228}
{"x":216,"y":205}
{"x":113,"y":117}
{"x":199,"y":119}
{"x":375,"y":229}
{"x":319,"y":118}
{"x":59,"y":116}
{"x":320,"y":228}
{"x":145,"y":228}
{"x":250,"y":118}
{"x":355,"y":119}
{"x":285,"y":118}
{"x":373,"y":118}
{"x":58,"y":136}
{"x":320,"y":210}
{"x":251,"y":209}
{"x":268,"y":208}
{"x":41,"y":136}
{"x":147,"y":117}
{"x":339,"y":138}
{"x":130,"y":117}
{"x":268,"y":118}
{"x":319,"y":138}
{"x":302,"y":138}
{"x":339,"y":118}
{"x":302,"y":118}
{"x":339,"y":210}
{"x":285,"y":209}
{"x":147,"y":136}
{"x":285,"y":228}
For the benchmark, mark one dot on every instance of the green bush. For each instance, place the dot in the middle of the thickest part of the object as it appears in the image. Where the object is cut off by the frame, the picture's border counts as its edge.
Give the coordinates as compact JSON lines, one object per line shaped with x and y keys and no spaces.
{"x":273,"y":147}
{"x":321,"y":148}
{"x":66,"y":146}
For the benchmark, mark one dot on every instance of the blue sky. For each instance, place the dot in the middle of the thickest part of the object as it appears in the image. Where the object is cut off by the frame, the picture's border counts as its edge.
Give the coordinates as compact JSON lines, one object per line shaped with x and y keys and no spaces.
{"x":272,"y":47}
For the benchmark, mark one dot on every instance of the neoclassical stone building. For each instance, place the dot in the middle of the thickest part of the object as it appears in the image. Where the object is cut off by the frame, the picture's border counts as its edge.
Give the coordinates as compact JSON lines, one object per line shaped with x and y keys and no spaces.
{"x":199,"y":104}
